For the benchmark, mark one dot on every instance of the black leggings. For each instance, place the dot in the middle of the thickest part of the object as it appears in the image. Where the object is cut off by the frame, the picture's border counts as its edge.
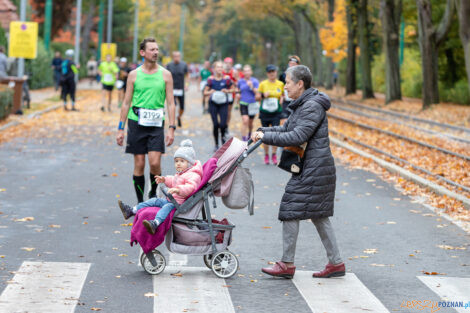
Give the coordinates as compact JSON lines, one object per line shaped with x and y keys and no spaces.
{"x":68,"y":87}
{"x":216,"y":111}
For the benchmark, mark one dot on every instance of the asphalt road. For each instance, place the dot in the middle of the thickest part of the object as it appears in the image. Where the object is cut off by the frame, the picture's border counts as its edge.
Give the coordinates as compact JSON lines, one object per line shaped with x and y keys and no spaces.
{"x":70,"y":187}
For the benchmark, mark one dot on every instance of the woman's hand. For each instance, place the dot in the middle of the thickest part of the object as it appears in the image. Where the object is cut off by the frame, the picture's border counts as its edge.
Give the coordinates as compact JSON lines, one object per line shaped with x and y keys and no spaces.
{"x":174,"y":191}
{"x":159,"y":179}
{"x":257,"y":136}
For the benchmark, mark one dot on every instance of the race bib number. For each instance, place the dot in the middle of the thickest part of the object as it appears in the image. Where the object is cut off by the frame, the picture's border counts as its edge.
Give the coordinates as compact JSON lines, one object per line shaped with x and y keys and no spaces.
{"x":152,"y":118}
{"x":202,"y":85}
{"x":219,"y":97}
{"x":108,"y":78}
{"x":270,"y":104}
{"x":119,"y":84}
{"x":286,"y":96}
{"x":253,"y":108}
{"x":229,"y":97}
{"x":178,"y":92}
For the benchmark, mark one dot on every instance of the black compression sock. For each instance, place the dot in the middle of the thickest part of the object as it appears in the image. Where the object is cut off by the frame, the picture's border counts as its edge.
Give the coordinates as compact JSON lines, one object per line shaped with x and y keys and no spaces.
{"x":153,"y":186}
{"x":139,"y":185}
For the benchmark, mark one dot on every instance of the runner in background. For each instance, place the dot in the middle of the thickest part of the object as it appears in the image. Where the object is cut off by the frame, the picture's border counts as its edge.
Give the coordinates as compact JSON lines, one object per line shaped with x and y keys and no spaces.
{"x":293,"y":61}
{"x":108,"y":70}
{"x":67,"y":79}
{"x":248,"y":87}
{"x":232,"y":73}
{"x":218,"y":88}
{"x":57,"y":69}
{"x":148,"y":87}
{"x":92,"y":69}
{"x":204,"y":75}
{"x":121,"y":83}
{"x":271,"y":94}
{"x":179,"y":71}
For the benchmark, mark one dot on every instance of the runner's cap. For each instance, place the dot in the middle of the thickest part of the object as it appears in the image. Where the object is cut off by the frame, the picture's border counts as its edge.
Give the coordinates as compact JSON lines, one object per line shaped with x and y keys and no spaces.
{"x":123,"y":60}
{"x":69,"y":53}
{"x":271,"y":68}
{"x":228,"y":60}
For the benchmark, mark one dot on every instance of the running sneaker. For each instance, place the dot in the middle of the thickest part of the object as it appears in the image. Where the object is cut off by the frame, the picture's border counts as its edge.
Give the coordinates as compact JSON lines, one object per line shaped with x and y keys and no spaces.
{"x":274,"y":159}
{"x":266,"y":159}
{"x":179,"y":121}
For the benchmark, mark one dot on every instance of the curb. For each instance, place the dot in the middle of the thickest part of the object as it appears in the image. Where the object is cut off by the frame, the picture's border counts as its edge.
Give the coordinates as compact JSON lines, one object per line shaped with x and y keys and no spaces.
{"x":31,"y":116}
{"x":404,"y":173}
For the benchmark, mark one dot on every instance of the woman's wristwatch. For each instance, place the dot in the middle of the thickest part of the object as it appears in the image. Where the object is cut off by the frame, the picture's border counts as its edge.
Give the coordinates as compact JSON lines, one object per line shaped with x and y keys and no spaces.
{"x":172,"y":126}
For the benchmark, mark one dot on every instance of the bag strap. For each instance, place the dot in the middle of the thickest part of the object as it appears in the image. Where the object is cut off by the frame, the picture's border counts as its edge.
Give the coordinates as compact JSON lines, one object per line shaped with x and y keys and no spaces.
{"x":252,"y":202}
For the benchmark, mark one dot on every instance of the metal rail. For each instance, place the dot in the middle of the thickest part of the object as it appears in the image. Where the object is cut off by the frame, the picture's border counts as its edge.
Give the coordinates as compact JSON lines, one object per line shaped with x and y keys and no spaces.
{"x":429,"y":131}
{"x":397,"y":114}
{"x":416,"y":167}
{"x":459,"y":155}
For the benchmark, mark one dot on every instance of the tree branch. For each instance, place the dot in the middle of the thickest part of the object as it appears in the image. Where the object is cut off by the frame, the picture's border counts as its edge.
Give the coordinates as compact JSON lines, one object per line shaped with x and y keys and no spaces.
{"x":446,"y":22}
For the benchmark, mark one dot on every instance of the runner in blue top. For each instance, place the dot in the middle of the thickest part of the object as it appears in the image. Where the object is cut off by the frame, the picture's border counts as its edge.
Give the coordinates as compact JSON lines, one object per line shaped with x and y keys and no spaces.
{"x":217,"y":88}
{"x":248,"y":87}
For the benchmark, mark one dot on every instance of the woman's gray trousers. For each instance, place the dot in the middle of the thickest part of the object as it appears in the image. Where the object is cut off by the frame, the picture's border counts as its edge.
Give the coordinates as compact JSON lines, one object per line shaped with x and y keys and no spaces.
{"x":290,"y":231}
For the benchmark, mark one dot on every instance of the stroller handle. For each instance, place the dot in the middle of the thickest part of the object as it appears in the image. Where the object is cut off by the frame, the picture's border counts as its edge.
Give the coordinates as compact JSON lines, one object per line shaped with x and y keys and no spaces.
{"x":252,"y":147}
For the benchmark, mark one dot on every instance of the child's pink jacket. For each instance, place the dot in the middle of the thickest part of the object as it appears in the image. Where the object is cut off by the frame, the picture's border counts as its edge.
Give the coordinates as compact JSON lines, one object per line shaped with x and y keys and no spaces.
{"x":186,"y":182}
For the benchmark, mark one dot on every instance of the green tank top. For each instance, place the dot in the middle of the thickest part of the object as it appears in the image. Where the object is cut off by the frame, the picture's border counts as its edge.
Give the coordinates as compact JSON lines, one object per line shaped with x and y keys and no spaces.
{"x":149,"y":92}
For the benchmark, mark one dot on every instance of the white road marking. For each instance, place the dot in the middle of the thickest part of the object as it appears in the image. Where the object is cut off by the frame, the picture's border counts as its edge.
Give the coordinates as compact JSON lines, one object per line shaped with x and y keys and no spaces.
{"x":177,"y":259}
{"x":337,"y":295}
{"x":198,"y":290}
{"x":44,"y":287}
{"x":454,"y":289}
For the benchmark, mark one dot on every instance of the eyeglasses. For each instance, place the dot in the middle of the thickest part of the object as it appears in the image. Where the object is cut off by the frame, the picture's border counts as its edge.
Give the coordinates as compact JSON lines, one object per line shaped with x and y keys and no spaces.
{"x":294,"y":60}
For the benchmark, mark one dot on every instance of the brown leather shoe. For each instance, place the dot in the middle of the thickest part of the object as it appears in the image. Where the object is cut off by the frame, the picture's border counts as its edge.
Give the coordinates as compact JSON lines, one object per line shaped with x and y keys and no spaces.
{"x":280,"y":269}
{"x":331,"y":270}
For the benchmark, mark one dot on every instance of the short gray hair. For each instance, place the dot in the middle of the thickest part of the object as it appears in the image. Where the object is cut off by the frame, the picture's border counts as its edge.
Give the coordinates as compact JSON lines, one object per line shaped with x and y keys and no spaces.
{"x":300,"y":72}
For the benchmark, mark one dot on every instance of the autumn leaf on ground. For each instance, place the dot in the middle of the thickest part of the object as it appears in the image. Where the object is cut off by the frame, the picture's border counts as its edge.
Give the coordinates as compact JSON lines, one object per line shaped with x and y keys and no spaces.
{"x":122,"y":254}
{"x":433,"y":273}
{"x":96,"y":309}
{"x":24,"y":219}
{"x":2,"y":190}
{"x":267,"y":227}
{"x":150,"y":295}
{"x":177,"y":274}
{"x":370,"y":251}
{"x":28,"y":248}
{"x":54,"y":226}
{"x":128,"y":224}
{"x":447,"y":247}
{"x":114,"y":174}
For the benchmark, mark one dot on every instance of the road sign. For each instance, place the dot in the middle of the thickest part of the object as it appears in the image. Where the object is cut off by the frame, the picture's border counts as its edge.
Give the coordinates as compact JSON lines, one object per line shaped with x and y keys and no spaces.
{"x":108,"y":48}
{"x":23,"y":40}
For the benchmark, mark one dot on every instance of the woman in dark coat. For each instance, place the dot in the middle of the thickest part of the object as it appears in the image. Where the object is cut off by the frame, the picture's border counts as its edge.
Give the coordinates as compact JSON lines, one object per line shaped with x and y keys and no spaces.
{"x":310,"y":194}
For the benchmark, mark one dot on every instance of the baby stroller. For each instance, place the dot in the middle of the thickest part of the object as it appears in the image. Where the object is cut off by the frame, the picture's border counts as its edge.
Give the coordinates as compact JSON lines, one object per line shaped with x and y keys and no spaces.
{"x":192,"y":230}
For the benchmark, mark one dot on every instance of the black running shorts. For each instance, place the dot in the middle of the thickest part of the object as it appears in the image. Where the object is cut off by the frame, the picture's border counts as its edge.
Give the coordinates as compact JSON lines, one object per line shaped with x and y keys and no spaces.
{"x":244,"y":111}
{"x":108,"y":87}
{"x":142,"y":139}
{"x":179,"y":100}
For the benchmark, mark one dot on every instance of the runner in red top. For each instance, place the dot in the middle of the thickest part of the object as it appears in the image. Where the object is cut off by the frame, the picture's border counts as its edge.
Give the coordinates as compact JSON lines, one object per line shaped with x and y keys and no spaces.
{"x":233,"y":74}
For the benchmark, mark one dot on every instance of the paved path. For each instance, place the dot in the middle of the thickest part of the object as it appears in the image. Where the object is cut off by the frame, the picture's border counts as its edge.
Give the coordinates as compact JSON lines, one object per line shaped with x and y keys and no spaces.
{"x":74,"y":256}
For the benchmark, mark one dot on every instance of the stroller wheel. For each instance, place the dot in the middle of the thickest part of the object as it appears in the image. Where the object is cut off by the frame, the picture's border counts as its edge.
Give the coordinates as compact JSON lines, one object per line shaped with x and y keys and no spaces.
{"x":224,"y":264}
{"x":207,"y":260}
{"x":149,"y":267}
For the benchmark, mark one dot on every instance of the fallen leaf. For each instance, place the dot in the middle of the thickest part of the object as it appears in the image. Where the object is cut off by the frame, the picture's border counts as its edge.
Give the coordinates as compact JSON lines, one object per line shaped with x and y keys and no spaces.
{"x":96,"y":309}
{"x":54,"y":226}
{"x":267,"y":227}
{"x":370,"y":251}
{"x":227,"y":286}
{"x":28,"y":249}
{"x":396,"y":199}
{"x":433,"y":273}
{"x":391,"y":222}
{"x":24,"y":219}
{"x":118,"y":276}
{"x":122,"y":254}
{"x":370,"y":180}
{"x":150,"y":295}
{"x":177,"y":274}
{"x":2,"y":190}
{"x":128,"y":224}
{"x":415,"y":211}
{"x":114,"y":174}
{"x":2,"y":256}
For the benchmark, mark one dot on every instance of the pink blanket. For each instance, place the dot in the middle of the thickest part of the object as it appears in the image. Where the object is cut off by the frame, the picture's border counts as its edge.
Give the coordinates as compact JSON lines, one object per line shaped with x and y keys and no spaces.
{"x":140,"y":234}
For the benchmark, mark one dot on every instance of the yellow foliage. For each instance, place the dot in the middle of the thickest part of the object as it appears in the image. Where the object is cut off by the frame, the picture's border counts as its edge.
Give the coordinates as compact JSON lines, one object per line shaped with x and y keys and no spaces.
{"x":334,"y":36}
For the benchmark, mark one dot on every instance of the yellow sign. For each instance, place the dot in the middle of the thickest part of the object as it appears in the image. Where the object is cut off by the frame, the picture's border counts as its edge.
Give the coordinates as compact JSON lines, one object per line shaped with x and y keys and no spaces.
{"x":23,"y":40}
{"x":108,"y":48}
{"x":166,"y":60}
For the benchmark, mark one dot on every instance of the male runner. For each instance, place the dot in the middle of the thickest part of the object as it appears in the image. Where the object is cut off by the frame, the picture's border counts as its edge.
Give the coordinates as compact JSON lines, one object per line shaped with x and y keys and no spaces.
{"x":179,"y":71}
{"x":108,"y":71}
{"x":148,"y":87}
{"x":233,"y":74}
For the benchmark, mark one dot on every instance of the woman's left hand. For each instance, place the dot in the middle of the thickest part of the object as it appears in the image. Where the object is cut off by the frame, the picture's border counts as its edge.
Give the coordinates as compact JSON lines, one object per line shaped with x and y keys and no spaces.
{"x":257,"y":136}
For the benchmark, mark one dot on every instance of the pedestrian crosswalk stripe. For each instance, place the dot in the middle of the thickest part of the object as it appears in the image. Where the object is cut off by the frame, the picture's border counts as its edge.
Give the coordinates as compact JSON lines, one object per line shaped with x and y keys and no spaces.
{"x":193,"y":289}
{"x":44,"y":287}
{"x":339,"y":295}
{"x":453,"y":289}
{"x":177,"y":259}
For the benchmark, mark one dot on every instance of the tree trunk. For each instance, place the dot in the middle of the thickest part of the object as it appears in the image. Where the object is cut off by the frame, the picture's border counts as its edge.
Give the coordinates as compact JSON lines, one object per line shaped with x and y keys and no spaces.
{"x":318,"y":54}
{"x":329,"y":62}
{"x":429,"y":40}
{"x":86,"y":31}
{"x":391,"y":14}
{"x":351,"y":10}
{"x":303,"y":39}
{"x":364,"y":59}
{"x":464,"y":31}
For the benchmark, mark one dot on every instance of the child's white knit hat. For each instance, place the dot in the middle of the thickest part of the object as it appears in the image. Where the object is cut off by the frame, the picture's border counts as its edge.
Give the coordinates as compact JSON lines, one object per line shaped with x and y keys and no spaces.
{"x":186,"y":151}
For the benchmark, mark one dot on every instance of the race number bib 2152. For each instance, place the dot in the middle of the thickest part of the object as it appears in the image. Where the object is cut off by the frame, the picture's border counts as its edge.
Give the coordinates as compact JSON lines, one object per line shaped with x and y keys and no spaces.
{"x":270,"y":104}
{"x":152,"y":118}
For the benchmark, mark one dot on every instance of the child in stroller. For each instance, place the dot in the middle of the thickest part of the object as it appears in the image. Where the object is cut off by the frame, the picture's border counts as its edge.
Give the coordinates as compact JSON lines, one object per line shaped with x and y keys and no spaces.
{"x":187,"y":178}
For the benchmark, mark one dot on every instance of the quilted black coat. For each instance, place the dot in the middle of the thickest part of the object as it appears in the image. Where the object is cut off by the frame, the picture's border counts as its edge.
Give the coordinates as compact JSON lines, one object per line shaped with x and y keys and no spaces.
{"x":311,"y":193}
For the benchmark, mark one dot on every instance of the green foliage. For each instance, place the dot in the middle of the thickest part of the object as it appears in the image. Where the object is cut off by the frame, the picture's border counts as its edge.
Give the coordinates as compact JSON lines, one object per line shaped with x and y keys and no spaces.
{"x":39,"y":69}
{"x":457,"y":94}
{"x":123,"y":17}
{"x":6,"y":102}
{"x":3,"y":38}
{"x":378,"y":72}
{"x":61,"y":47}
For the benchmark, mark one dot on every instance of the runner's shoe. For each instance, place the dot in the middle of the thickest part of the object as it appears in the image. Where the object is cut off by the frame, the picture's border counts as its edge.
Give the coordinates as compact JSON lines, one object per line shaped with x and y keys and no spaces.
{"x":151,"y":226}
{"x":266,"y":159}
{"x":179,"y":121}
{"x":125,"y":209}
{"x":274,"y":159}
